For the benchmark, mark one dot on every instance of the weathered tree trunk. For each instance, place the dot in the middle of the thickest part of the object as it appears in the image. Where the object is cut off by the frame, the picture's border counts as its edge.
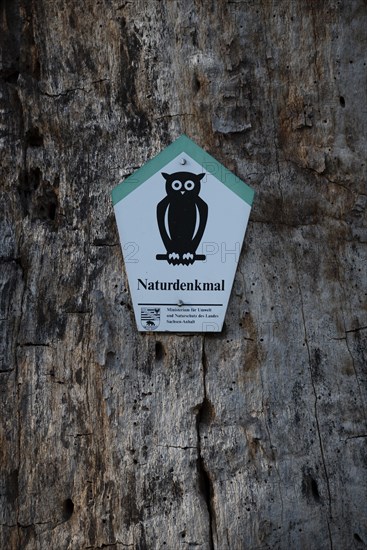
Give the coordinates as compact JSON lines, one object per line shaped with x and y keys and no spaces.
{"x":253,"y":438}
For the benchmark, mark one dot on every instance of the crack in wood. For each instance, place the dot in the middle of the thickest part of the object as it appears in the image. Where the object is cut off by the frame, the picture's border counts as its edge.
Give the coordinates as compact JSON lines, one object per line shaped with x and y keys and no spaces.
{"x":205,"y":482}
{"x":18,"y":398}
{"x":177,"y":447}
{"x":350,"y":331}
{"x":76,"y":89}
{"x":25,"y":525}
{"x":318,"y":429}
{"x":355,"y":330}
{"x":33,"y":345}
{"x":162,"y":117}
{"x":273,"y":119}
{"x":110,"y":545}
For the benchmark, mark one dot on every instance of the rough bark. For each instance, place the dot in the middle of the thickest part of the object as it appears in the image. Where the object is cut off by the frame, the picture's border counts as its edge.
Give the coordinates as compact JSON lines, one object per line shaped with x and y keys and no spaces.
{"x":254,"y":438}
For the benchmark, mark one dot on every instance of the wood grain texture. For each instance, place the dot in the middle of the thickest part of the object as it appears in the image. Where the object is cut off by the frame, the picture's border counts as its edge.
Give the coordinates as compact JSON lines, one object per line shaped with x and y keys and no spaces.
{"x":254,"y":438}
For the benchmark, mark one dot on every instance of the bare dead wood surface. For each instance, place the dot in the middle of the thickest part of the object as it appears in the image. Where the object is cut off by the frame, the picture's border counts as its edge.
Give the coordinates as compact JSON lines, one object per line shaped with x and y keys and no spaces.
{"x":251,"y":439}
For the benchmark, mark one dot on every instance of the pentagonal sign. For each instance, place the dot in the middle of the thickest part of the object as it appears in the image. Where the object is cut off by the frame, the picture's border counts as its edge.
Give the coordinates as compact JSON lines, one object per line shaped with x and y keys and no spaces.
{"x":181,"y":219}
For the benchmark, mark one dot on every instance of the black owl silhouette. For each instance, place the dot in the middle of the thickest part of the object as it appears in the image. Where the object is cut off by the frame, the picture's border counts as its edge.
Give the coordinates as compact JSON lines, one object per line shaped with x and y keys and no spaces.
{"x":182,"y":217}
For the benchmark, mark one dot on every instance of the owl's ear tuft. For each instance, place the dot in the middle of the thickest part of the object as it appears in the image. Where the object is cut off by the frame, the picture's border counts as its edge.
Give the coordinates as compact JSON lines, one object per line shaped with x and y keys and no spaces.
{"x":200,"y":176}
{"x":166,"y":176}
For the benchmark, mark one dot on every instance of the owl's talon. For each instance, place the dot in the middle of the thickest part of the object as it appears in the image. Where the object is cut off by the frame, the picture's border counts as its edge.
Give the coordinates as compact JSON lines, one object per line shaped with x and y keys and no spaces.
{"x":188,"y":258}
{"x":173,"y":258}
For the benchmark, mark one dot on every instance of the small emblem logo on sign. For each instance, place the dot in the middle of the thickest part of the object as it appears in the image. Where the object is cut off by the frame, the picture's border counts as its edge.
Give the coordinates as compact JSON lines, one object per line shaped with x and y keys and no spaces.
{"x":150,"y":317}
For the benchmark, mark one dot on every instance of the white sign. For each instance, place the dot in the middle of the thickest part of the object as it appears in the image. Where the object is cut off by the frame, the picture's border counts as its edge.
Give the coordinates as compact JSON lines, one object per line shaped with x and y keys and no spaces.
{"x":181,"y":220}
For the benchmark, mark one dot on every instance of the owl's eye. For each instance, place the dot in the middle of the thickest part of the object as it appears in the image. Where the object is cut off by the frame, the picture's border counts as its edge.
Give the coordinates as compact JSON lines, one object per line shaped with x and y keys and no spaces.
{"x":176,"y":185}
{"x":189,"y":185}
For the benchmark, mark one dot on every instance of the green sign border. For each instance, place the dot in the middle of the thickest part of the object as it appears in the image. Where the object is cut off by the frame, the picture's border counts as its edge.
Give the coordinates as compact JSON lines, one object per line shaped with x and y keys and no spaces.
{"x":183,"y":145}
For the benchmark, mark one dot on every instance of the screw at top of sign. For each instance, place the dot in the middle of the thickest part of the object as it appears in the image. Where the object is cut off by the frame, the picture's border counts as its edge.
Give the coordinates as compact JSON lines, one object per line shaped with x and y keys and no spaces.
{"x":180,"y":303}
{"x":183,"y":161}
